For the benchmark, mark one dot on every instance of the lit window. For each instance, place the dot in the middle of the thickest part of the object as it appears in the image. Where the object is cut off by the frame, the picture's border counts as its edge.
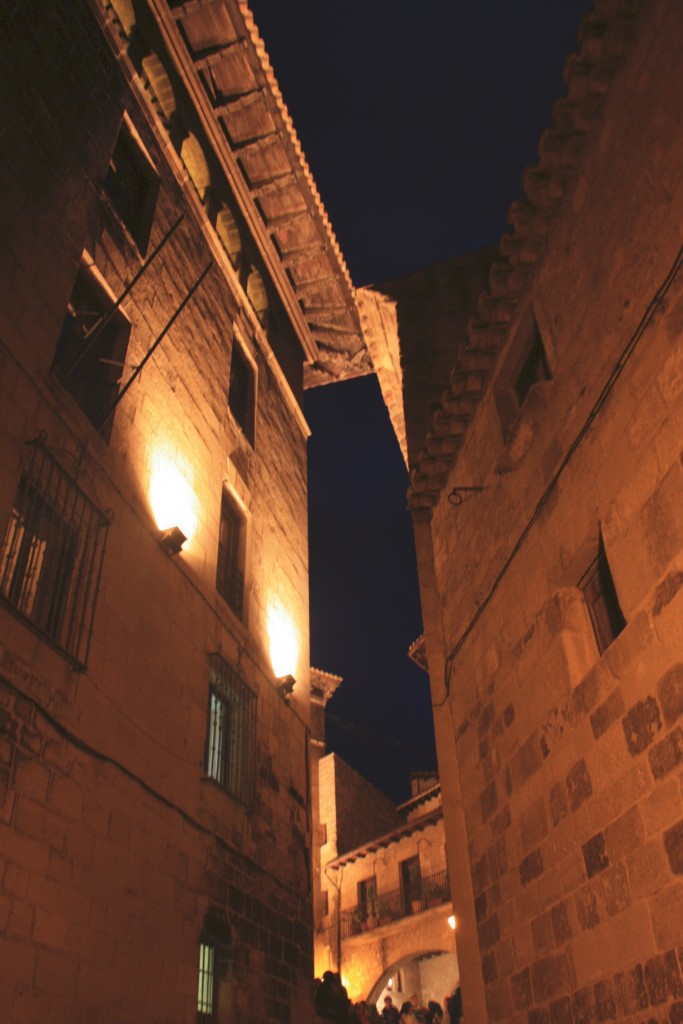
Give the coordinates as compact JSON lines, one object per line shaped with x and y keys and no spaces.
{"x":534,"y":368}
{"x":206,"y":995}
{"x":230,"y":568}
{"x":132,"y":185}
{"x":230,"y":754}
{"x":241,"y":392}
{"x":602,"y":601}
{"x":51,"y":557}
{"x":91,"y":350}
{"x":214,"y":958}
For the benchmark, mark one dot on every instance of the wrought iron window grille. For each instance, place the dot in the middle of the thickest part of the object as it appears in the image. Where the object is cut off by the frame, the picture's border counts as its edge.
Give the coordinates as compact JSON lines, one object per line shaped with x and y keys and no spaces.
{"x":230,"y":752}
{"x":52,"y":554}
{"x":387,"y":907}
{"x":215,"y":947}
{"x":206,"y":994}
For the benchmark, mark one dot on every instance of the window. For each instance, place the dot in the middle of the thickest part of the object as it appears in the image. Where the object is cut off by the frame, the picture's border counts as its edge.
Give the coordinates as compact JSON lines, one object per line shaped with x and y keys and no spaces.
{"x":231,"y":549}
{"x":535,"y":366}
{"x":206,"y":995}
{"x":91,"y":350}
{"x":230,"y":754}
{"x":51,"y":557}
{"x":411,"y":885}
{"x":602,"y":601}
{"x":132,"y":185}
{"x":241,"y":391}
{"x":214,"y":957}
{"x":367,"y":900}
{"x":525,"y":365}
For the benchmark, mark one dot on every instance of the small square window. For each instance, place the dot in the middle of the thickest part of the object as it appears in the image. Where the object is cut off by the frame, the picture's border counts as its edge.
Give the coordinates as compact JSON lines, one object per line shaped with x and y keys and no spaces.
{"x":525,"y":366}
{"x":91,"y":350}
{"x":231,"y":555}
{"x":602,"y":601}
{"x":242,"y":392}
{"x":534,"y":368}
{"x":230,"y":752}
{"x":132,"y":185}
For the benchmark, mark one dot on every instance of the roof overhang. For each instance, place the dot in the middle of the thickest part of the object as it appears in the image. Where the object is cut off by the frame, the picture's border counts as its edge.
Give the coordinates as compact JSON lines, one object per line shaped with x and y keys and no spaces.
{"x":222,"y":61}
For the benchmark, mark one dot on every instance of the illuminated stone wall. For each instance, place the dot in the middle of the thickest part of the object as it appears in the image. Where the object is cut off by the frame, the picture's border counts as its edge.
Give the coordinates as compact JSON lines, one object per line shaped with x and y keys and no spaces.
{"x":114,"y":843}
{"x":355,"y":816}
{"x":351,"y":811}
{"x":561,"y":765}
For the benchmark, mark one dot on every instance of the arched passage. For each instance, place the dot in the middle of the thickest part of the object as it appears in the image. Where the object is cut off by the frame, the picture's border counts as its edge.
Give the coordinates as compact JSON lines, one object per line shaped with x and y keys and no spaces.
{"x":430,"y":975}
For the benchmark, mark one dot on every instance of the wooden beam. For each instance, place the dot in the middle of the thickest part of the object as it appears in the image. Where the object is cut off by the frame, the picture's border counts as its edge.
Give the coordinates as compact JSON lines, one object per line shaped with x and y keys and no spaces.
{"x":214,"y":56}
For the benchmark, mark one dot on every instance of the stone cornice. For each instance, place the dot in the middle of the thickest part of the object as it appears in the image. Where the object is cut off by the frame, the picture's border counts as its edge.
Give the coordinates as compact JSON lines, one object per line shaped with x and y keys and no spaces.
{"x":604,"y":36}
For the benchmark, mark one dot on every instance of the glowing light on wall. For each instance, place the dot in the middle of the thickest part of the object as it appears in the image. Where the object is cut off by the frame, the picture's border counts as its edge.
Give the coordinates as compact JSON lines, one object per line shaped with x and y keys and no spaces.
{"x":283,"y":641}
{"x":173,"y":501}
{"x":452,"y":922}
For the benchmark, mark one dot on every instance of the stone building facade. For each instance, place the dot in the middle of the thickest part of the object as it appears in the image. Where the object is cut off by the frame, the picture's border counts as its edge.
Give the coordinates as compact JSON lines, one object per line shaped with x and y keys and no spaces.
{"x":386,"y":905}
{"x":170,"y":283}
{"x":546,"y":501}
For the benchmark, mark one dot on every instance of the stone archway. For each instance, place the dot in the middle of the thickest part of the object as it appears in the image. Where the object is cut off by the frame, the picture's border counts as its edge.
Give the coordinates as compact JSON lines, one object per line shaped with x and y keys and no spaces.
{"x":431,"y":974}
{"x":411,"y":945}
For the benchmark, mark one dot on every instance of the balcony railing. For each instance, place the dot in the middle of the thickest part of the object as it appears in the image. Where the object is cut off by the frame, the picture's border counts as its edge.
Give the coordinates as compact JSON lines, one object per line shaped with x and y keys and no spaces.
{"x":392,"y":906}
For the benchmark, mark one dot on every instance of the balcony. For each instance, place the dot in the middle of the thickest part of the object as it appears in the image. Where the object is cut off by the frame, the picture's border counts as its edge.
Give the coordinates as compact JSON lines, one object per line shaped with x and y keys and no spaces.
{"x":392,"y":906}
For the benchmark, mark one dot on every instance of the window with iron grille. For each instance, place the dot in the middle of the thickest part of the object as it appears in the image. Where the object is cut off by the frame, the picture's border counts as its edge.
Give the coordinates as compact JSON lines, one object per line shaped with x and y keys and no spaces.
{"x":230,"y":754}
{"x":91,"y":350}
{"x":215,"y":944}
{"x":602,"y":601}
{"x":206,"y":995}
{"x":242,"y":391}
{"x":51,"y":557}
{"x":132,"y":185}
{"x":230,"y":568}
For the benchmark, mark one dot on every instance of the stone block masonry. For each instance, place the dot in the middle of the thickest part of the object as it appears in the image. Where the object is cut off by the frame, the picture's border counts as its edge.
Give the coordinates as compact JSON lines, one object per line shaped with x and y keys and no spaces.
{"x":117,"y":865}
{"x":124,"y":847}
{"x":563,"y":801}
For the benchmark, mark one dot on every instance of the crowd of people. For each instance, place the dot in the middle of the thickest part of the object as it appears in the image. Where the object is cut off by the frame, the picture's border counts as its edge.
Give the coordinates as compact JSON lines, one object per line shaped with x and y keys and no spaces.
{"x":333,"y":1004}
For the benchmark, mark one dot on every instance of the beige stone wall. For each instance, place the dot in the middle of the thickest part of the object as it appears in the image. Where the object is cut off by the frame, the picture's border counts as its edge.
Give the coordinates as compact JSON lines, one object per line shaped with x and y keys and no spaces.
{"x":351,"y":812}
{"x":113,"y":842}
{"x":561,"y":768}
{"x":350,"y":806}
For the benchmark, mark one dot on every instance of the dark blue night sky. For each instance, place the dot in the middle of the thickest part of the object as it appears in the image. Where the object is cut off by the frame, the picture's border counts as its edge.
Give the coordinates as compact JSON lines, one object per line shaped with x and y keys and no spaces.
{"x":417,"y":122}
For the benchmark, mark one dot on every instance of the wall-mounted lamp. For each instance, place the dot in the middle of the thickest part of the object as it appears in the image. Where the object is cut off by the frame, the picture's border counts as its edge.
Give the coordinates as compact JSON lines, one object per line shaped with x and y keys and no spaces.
{"x":452,"y":922}
{"x":172,"y":540}
{"x":285,"y":685}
